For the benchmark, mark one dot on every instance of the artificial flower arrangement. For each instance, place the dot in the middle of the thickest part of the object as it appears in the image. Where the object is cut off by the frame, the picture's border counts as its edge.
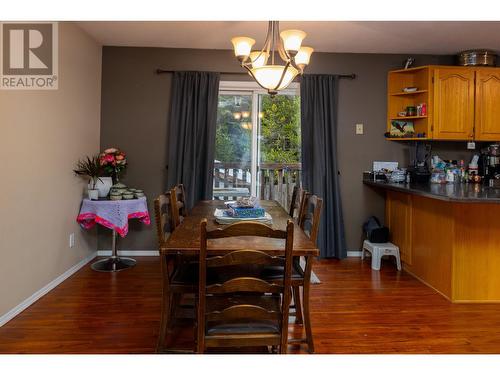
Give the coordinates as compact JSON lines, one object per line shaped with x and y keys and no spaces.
{"x":113,"y":162}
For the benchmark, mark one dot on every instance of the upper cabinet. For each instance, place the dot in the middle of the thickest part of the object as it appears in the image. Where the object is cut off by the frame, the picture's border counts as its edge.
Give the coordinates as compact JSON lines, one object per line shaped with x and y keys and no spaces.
{"x":453,"y":104}
{"x":487,"y":119}
{"x":463,"y":103}
{"x":398,"y":100}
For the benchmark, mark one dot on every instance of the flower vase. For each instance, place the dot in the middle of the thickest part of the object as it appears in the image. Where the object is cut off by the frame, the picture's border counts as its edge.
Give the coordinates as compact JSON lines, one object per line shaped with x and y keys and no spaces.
{"x":104,"y":184}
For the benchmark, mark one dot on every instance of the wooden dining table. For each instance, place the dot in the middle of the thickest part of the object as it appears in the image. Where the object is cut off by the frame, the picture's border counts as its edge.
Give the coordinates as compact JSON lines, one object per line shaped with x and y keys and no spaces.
{"x":185,"y":241}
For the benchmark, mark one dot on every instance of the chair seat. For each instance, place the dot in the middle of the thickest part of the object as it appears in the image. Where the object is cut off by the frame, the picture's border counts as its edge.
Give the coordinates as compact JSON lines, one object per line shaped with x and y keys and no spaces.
{"x":254,"y":327}
{"x":219,"y":303}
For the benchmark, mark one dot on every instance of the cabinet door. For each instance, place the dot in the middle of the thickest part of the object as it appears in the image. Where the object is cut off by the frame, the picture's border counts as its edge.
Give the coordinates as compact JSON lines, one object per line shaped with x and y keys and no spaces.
{"x":487,"y":105}
{"x":453,"y":103}
{"x":398,"y":219}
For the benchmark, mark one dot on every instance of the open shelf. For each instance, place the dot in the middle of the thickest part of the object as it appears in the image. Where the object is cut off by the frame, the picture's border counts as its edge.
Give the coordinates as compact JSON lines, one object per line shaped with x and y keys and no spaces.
{"x":399,"y":101}
{"x":410,"y":70}
{"x":408,"y":93}
{"x":407,"y":117}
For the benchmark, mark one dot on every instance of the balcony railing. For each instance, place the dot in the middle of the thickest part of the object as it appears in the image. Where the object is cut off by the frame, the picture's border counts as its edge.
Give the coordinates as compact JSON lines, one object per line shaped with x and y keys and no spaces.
{"x":275,"y":181}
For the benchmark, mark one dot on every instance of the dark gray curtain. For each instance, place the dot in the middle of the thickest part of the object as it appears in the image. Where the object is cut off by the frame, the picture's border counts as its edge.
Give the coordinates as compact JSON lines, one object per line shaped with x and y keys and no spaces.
{"x":320,"y":174}
{"x":191,"y":141}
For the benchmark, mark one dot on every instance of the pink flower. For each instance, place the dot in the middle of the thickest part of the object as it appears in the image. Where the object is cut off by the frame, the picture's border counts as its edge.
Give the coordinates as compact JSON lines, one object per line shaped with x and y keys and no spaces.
{"x":109,"y":158}
{"x":119,"y":157}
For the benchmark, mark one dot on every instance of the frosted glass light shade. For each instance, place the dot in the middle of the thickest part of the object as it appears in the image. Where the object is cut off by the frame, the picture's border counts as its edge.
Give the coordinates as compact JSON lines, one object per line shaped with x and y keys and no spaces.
{"x":268,"y":76}
{"x":292,"y":39}
{"x":242,"y":46}
{"x":303,"y":56}
{"x":258,"y":58}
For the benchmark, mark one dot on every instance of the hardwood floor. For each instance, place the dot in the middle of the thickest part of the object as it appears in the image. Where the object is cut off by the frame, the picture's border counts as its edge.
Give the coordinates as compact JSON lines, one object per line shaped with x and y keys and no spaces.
{"x":354,"y":310}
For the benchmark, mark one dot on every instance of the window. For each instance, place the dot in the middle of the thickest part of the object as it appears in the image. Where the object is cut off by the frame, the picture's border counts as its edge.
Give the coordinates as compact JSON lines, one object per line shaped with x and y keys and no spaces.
{"x":257,"y":148}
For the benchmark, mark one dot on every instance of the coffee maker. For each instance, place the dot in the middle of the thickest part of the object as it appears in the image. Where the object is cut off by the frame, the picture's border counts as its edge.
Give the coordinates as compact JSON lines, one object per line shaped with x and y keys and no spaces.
{"x":419,"y":162}
{"x":489,"y":163}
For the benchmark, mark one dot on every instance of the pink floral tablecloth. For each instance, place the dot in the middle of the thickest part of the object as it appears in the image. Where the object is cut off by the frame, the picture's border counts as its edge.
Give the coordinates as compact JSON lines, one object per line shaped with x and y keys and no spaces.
{"x":113,"y":214}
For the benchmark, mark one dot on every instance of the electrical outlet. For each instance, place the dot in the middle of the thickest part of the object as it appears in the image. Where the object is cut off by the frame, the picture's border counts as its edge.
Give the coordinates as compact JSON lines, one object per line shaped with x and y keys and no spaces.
{"x":72,"y":240}
{"x":471,"y":145}
{"x":359,"y":129}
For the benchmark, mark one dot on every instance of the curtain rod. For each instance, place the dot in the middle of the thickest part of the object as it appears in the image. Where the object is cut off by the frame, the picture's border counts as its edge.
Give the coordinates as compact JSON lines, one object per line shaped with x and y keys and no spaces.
{"x":162,"y":71}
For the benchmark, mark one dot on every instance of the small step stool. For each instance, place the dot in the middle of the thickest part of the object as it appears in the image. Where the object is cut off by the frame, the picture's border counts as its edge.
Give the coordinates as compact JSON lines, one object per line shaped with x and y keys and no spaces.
{"x":377,"y":250}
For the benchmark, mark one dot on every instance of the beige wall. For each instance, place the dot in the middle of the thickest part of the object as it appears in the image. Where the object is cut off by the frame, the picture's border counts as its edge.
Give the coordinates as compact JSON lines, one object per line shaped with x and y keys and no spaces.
{"x":42,"y":134}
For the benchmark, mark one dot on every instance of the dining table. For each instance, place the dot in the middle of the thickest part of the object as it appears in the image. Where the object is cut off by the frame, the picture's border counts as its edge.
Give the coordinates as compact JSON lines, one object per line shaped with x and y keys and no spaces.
{"x":185,"y":241}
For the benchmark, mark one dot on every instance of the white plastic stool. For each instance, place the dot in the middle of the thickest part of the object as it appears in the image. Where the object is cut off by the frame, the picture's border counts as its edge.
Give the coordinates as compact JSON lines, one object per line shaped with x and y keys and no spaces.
{"x":377,"y":250}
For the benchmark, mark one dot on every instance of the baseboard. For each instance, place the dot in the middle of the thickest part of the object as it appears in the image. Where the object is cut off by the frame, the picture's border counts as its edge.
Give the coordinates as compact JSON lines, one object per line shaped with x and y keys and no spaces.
{"x":405,"y":268}
{"x":354,"y":254}
{"x":47,"y":288}
{"x":130,"y":253}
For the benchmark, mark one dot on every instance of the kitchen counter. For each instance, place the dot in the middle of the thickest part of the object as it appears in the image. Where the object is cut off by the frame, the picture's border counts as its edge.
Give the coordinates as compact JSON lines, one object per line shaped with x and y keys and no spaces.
{"x":447,"y":236}
{"x":463,"y":193}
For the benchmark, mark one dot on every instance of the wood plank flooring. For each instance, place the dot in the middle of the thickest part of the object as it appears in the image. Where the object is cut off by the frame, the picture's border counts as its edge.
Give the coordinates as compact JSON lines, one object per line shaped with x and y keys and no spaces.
{"x":354,"y":310}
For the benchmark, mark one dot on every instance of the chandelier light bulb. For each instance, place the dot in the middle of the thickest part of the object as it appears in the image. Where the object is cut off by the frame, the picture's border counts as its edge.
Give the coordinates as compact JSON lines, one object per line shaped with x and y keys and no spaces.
{"x":245,"y":114}
{"x":303,"y":56}
{"x":242,"y":46}
{"x":237,"y":116}
{"x":258,"y":58}
{"x":292,"y":40}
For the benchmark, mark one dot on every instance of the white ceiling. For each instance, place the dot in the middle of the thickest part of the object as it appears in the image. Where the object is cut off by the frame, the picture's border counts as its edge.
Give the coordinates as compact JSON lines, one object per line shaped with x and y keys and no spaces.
{"x":336,"y":36}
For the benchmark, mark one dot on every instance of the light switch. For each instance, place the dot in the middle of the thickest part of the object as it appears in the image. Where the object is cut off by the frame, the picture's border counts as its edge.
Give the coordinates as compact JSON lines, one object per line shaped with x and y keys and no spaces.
{"x":359,"y":129}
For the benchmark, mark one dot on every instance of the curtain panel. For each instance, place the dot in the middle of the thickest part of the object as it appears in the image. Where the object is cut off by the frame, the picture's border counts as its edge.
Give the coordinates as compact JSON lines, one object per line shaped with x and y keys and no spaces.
{"x":320,"y":174}
{"x":191,"y":140}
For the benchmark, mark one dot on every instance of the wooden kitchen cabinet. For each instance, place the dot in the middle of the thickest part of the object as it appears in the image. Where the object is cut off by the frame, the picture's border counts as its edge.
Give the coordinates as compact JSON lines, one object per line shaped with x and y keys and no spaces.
{"x":398,"y":218}
{"x":463,"y":103}
{"x":449,"y":242}
{"x":454,"y":103}
{"x":487,"y":110}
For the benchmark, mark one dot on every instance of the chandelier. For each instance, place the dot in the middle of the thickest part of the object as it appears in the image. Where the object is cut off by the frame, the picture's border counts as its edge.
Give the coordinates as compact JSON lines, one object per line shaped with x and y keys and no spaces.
{"x":288,"y":57}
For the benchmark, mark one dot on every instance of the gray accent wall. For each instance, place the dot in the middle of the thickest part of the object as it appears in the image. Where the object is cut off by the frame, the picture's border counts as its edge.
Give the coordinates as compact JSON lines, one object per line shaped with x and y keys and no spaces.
{"x":135,"y":112}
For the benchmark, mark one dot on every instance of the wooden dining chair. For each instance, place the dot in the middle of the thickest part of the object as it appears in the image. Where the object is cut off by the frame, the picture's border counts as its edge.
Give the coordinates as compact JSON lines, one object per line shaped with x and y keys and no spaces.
{"x":308,"y":221}
{"x":179,"y":277}
{"x":179,"y":208}
{"x":242,"y":309}
{"x":310,"y":216}
{"x":298,"y":195}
